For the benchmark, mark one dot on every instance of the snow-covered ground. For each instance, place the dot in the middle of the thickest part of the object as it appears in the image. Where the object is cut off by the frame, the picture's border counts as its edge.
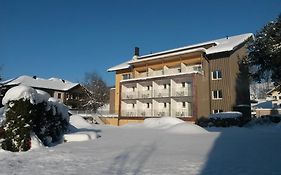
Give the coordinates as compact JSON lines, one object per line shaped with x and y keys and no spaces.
{"x":151,"y":148}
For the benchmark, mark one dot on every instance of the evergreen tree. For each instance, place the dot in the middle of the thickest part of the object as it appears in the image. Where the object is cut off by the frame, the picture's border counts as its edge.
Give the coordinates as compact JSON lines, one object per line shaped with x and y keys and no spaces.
{"x":265,"y":52}
{"x":18,"y":125}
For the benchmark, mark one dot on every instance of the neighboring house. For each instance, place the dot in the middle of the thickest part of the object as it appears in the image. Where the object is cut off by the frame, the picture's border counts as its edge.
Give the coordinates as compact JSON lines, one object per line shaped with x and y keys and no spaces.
{"x":67,"y":92}
{"x":275,"y":95}
{"x":188,"y":82}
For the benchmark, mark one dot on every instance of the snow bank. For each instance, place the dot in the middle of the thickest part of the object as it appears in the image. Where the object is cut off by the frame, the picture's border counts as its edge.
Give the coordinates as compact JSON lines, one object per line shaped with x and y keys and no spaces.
{"x":162,"y":123}
{"x":35,"y":141}
{"x":79,"y":122}
{"x":224,"y":115}
{"x":186,"y":128}
{"x":81,"y":130}
{"x":169,"y":125}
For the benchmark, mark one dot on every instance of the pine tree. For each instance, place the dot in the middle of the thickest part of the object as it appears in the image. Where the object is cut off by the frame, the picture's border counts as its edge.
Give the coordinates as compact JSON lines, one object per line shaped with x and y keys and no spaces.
{"x":265,"y":52}
{"x":18,"y":125}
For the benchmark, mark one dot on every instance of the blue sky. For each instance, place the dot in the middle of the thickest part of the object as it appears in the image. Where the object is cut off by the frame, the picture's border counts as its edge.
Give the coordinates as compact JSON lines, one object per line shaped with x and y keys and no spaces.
{"x":66,"y":38}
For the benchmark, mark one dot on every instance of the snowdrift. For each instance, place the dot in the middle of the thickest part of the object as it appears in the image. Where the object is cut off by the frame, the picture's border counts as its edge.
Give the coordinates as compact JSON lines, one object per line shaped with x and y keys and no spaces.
{"x":170,"y":125}
{"x":80,"y":130}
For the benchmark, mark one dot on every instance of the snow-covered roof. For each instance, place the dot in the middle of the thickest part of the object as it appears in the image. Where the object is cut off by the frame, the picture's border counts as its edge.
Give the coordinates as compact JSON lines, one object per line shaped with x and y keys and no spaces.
{"x":229,"y":43}
{"x":169,"y":55}
{"x":121,"y":66}
{"x":52,"y":83}
{"x":209,"y":47}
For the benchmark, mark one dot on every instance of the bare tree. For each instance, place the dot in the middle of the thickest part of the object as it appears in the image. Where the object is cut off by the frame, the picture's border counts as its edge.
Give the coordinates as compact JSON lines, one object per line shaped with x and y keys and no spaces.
{"x":97,"y":92}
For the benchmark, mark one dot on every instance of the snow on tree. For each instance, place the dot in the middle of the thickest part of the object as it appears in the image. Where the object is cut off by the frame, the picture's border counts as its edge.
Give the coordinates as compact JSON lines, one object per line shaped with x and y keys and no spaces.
{"x":28,"y":110}
{"x":97,"y":92}
{"x":265,"y":52}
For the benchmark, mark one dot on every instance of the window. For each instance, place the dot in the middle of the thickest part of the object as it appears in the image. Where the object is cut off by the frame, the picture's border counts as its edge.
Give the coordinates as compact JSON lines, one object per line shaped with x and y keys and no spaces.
{"x":59,"y":95}
{"x":279,"y":97}
{"x":179,"y":70}
{"x":133,"y":105}
{"x":126,"y":76}
{"x":133,"y":89}
{"x":183,"y":84}
{"x":148,"y":105}
{"x":217,"y":111}
{"x":165,"y":105}
{"x":183,"y":104}
{"x":165,"y":86}
{"x":275,"y":97}
{"x":216,"y":75}
{"x":217,"y":94}
{"x":148,"y":88}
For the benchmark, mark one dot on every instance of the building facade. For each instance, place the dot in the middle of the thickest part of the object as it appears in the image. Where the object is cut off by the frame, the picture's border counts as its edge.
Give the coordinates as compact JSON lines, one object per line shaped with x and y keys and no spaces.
{"x":275,"y":96}
{"x":67,"y":92}
{"x":189,"y":82}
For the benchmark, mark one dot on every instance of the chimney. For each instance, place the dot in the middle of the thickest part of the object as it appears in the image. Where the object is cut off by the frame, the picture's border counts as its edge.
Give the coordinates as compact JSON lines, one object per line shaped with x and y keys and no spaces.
{"x":137,"y":51}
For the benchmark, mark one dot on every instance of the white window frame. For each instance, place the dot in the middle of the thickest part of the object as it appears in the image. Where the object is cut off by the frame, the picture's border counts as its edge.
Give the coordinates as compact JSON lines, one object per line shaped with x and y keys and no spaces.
{"x":215,"y":75}
{"x":217,"y":92}
{"x":215,"y":111}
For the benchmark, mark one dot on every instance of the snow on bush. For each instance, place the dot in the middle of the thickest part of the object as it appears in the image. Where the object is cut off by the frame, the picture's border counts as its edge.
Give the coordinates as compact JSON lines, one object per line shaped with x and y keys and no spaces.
{"x":223,"y":119}
{"x":2,"y":116}
{"x":22,"y":92}
{"x":28,"y":110}
{"x":225,"y":115}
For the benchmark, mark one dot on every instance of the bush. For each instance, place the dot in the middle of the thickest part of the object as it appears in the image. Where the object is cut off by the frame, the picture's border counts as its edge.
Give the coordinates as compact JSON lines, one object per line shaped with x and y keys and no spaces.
{"x":50,"y":124}
{"x":45,"y":119}
{"x":18,"y":125}
{"x":224,"y":119}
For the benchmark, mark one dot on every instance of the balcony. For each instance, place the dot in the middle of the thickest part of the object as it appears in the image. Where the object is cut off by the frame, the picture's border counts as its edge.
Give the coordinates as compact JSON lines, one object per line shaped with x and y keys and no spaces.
{"x":162,"y":93}
{"x":182,"y":113}
{"x":145,"y":94}
{"x":145,"y":113}
{"x":169,"y":71}
{"x":129,"y":113}
{"x":182,"y":92}
{"x":129,"y":95}
{"x":162,"y":113}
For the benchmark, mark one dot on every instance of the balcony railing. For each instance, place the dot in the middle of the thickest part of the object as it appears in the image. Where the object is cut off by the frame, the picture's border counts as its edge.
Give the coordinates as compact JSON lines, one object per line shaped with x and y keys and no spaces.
{"x":182,"y":92}
{"x":162,"y":113}
{"x":169,"y":71}
{"x":129,"y":95}
{"x":129,"y":113}
{"x":162,"y":93}
{"x":145,"y":94}
{"x":182,"y":113}
{"x":145,"y":113}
